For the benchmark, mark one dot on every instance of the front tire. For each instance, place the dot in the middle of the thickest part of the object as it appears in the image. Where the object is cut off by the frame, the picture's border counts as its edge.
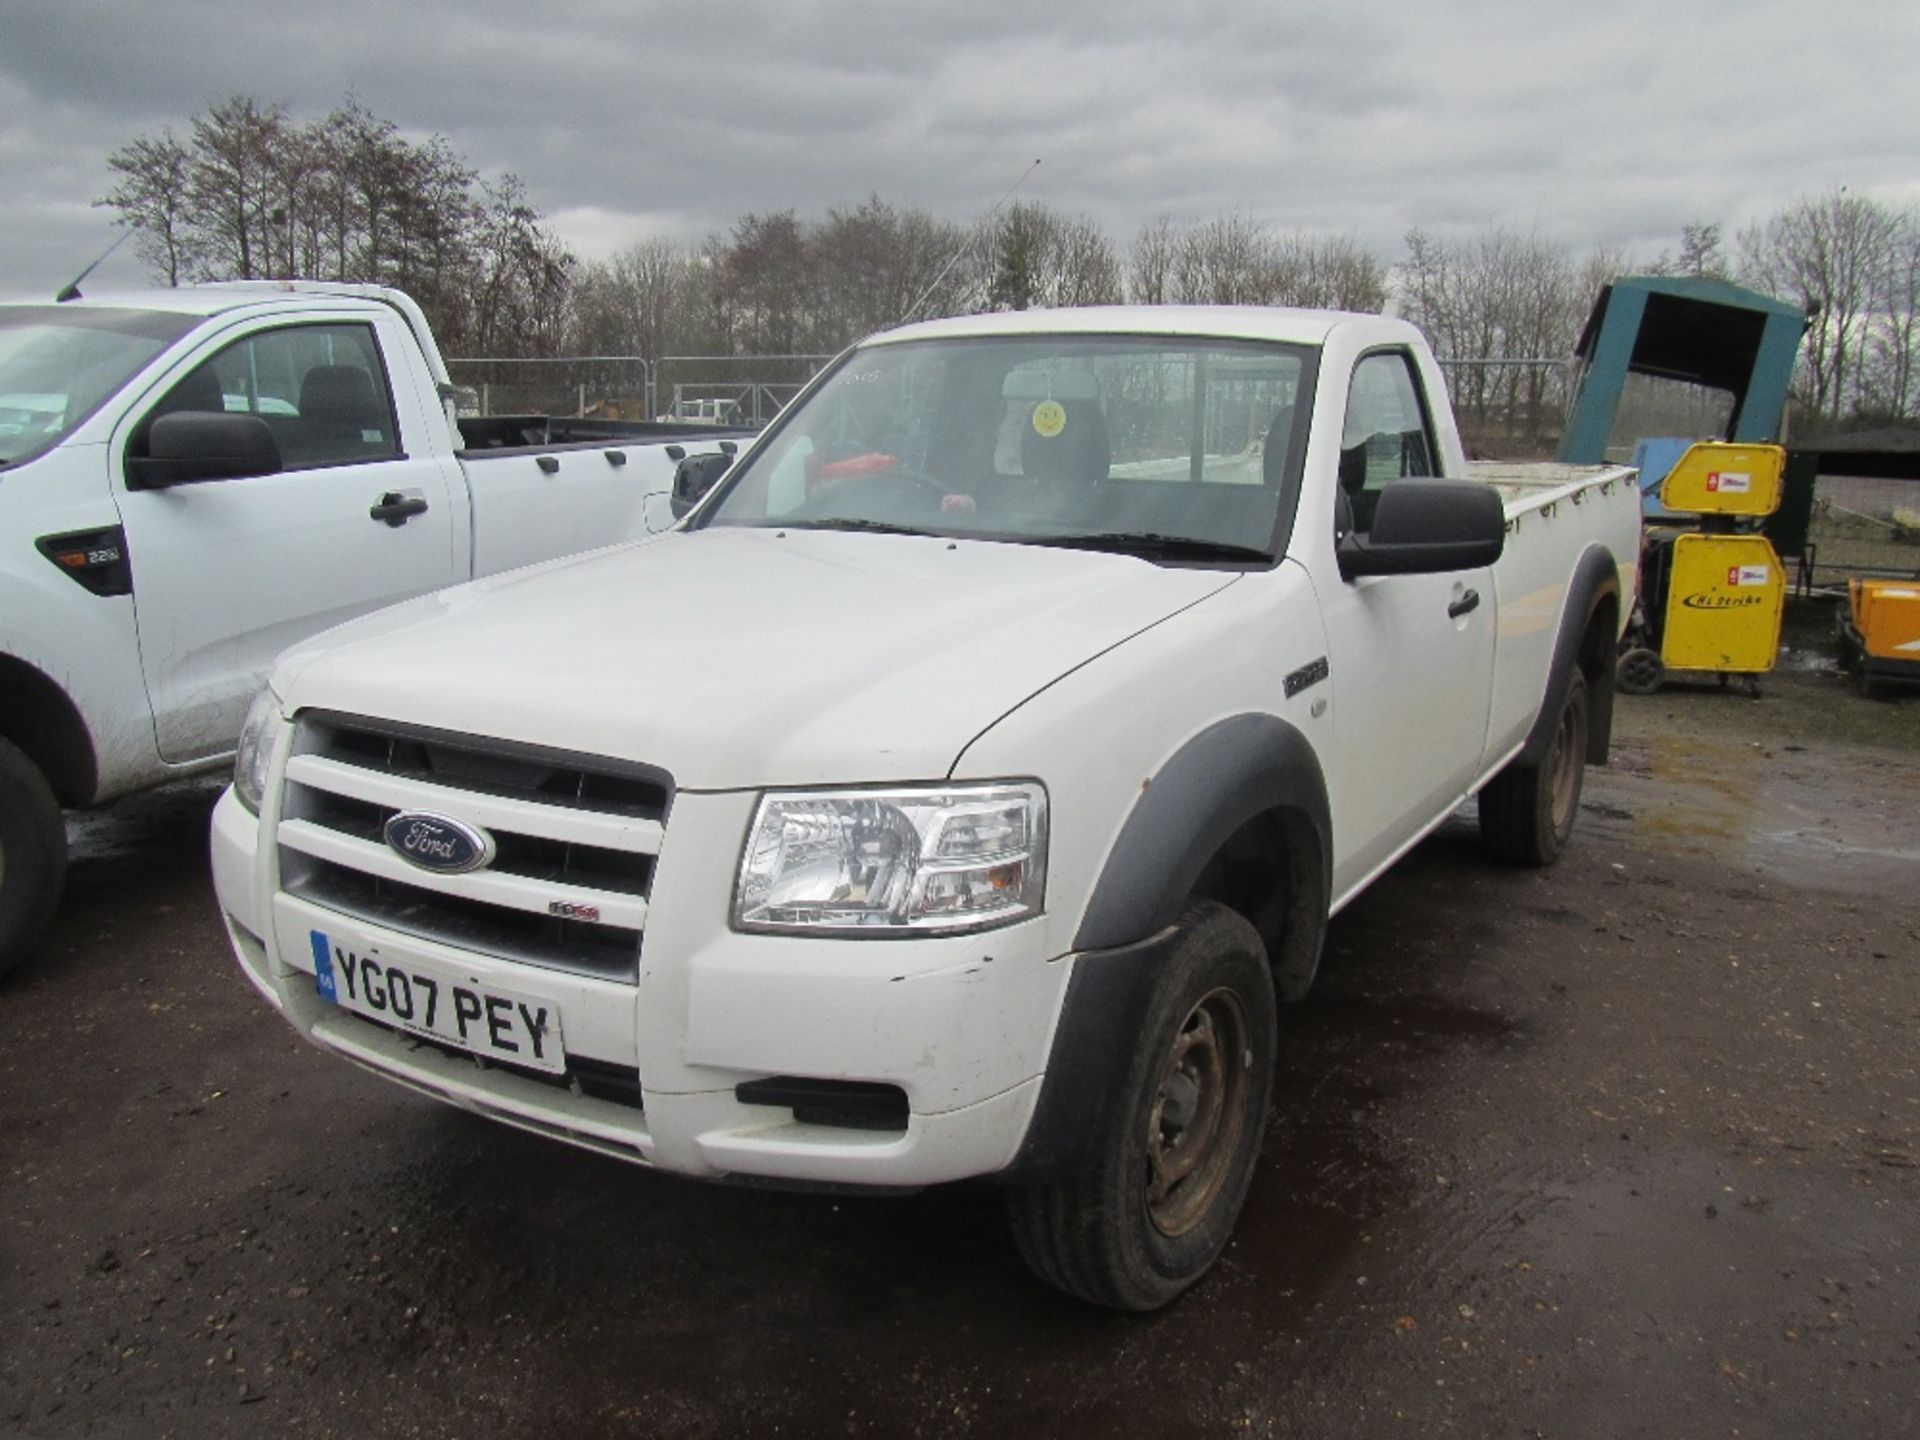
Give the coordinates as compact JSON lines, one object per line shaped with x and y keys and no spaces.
{"x":1527,"y":811}
{"x":1170,"y":1169}
{"x":33,"y":855}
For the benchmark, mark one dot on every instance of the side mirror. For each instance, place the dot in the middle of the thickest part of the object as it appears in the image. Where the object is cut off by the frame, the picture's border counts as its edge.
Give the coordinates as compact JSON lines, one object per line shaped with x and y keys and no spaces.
{"x":1427,"y":527}
{"x":694,"y":476}
{"x":190,"y":446}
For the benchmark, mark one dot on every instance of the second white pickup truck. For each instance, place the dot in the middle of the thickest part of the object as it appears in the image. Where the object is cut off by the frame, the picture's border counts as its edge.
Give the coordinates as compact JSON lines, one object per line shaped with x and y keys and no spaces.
{"x":193,"y":479}
{"x":1008,"y":723}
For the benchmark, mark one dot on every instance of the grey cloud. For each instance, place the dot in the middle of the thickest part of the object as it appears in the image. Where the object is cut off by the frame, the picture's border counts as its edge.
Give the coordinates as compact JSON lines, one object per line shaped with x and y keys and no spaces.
{"x":1595,"y":124}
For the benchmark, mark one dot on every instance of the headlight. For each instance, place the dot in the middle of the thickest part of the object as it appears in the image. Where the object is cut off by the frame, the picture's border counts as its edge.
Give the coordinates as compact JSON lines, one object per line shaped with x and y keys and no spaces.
{"x":939,"y":858}
{"x":255,"y":754}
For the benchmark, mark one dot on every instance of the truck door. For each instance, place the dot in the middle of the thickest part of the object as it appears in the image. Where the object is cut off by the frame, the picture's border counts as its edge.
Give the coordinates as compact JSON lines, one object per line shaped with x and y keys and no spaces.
{"x":228,"y":573}
{"x":1412,"y":655}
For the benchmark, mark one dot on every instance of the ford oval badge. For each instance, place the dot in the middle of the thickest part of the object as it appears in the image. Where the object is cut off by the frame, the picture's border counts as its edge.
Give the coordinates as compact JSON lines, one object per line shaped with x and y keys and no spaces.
{"x":436,"y":843}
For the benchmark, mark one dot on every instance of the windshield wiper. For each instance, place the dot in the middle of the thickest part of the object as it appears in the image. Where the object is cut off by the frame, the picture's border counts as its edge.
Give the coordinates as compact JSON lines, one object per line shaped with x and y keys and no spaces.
{"x":851,"y":522}
{"x":1133,"y":542}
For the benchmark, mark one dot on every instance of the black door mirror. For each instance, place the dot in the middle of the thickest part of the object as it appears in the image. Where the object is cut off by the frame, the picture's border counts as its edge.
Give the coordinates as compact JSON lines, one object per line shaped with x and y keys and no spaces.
{"x":694,"y":476}
{"x":1426,"y":527}
{"x":190,"y":446}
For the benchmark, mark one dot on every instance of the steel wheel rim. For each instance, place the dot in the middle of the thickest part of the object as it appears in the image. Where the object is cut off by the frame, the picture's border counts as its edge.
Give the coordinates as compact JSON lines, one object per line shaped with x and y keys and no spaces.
{"x":1565,"y":769}
{"x":1198,"y":1112}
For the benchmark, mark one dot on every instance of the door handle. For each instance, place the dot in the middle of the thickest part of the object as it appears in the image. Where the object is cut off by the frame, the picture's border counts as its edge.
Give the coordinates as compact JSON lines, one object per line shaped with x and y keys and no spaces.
{"x":1467,"y":602}
{"x":396,"y":507}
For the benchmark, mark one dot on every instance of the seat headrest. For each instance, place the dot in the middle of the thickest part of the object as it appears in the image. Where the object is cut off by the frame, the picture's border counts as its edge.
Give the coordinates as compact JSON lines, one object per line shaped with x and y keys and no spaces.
{"x":200,"y":390}
{"x":342,"y":395}
{"x":1077,"y":452}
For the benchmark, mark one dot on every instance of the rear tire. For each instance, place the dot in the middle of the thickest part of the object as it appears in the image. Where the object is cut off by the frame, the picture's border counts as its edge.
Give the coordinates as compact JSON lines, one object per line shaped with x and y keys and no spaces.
{"x":33,"y":855}
{"x":1157,"y":1202}
{"x":1527,"y":811}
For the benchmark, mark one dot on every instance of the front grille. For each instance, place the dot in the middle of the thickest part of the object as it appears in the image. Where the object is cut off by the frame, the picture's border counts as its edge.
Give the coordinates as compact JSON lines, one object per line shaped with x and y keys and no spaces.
{"x":576,"y":839}
{"x":459,"y":762}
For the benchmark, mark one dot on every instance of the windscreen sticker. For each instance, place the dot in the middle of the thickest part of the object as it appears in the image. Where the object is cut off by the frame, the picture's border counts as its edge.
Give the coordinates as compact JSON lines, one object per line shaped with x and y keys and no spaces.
{"x":1049,"y":418}
{"x":1747,"y":574}
{"x":1729,"y":482}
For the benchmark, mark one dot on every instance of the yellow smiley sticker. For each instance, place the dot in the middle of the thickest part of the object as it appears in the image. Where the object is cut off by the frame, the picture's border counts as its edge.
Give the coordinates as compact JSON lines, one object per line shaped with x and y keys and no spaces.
{"x":1049,"y":418}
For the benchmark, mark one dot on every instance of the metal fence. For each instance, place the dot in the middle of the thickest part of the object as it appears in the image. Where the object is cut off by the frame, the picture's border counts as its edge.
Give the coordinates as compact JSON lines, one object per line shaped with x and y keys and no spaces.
{"x":1863,"y":526}
{"x":730,"y":389}
{"x":610,"y":387}
{"x":722,"y":389}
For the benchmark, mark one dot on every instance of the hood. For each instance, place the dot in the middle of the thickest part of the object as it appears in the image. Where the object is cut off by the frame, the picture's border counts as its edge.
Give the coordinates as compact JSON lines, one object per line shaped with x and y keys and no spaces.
{"x":741,"y":658}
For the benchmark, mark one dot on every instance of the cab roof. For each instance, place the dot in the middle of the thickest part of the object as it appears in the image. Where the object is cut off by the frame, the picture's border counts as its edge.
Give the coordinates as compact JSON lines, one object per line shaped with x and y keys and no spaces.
{"x":215,"y":299}
{"x":1213,"y":322}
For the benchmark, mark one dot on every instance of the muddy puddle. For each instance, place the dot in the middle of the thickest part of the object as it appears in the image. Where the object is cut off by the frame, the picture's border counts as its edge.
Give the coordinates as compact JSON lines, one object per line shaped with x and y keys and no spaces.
{"x":1840,"y":818}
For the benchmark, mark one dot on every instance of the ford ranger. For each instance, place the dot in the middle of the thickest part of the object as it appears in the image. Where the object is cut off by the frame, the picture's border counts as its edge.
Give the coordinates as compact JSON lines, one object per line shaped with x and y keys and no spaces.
{"x":958,"y":789}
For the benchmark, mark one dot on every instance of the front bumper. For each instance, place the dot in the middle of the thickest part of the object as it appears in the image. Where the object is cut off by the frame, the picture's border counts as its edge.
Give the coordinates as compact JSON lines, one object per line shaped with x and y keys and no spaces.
{"x":961,"y":1025}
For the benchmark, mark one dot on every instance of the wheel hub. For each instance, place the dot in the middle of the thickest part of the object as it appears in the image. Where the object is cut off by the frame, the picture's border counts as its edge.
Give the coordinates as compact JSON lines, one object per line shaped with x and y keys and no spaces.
{"x":1198,"y":1112}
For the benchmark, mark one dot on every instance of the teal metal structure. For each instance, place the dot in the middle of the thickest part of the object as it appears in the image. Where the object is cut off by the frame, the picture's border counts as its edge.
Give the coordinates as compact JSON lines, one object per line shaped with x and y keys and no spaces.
{"x":1706,"y":332}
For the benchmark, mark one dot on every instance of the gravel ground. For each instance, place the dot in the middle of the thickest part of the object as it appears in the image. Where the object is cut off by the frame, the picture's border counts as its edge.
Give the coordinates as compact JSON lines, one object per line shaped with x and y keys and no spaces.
{"x":1626,"y":1148}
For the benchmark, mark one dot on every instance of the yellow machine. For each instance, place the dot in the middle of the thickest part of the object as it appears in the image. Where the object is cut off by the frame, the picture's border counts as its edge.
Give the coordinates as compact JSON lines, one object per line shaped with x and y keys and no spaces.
{"x":1711,"y":593}
{"x":1880,"y":631}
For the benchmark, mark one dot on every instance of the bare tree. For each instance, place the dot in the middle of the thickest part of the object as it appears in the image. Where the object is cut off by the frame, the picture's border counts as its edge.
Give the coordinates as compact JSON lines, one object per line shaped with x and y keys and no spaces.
{"x":1040,"y":258}
{"x":1506,"y":309}
{"x":1233,"y":260}
{"x":1085,"y":269}
{"x":1700,"y":254}
{"x":520,"y":307}
{"x":877,"y":264}
{"x":231,"y":184}
{"x":252,"y":195}
{"x":1150,"y":263}
{"x":1891,"y":383}
{"x":153,"y":198}
{"x":766,"y":283}
{"x":1828,"y":254}
{"x":1225,"y":261}
{"x":644,"y":301}
{"x":1326,"y":272}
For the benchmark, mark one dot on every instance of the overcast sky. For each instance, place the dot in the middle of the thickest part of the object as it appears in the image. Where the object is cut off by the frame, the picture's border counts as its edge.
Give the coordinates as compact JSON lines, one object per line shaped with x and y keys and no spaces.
{"x":1606,"y":122}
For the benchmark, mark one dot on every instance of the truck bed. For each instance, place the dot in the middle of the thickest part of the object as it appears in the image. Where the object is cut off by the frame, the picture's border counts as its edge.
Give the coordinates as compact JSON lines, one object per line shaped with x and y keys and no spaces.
{"x":1546,"y":540}
{"x":1534,"y":485}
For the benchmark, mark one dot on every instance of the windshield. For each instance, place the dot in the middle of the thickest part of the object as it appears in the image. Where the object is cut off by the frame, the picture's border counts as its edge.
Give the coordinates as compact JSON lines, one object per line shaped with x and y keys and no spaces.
{"x":1151,"y":444}
{"x":59,"y":362}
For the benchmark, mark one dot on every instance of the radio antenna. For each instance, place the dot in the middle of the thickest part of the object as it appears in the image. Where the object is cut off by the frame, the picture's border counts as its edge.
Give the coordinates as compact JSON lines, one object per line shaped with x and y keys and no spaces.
{"x":72,"y":292}
{"x":962,"y":248}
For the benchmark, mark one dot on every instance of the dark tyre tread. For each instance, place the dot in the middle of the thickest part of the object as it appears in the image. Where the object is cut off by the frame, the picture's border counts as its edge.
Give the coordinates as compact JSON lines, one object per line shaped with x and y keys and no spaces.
{"x":1091,"y":1234}
{"x":33,"y":855}
{"x":1517,"y":805}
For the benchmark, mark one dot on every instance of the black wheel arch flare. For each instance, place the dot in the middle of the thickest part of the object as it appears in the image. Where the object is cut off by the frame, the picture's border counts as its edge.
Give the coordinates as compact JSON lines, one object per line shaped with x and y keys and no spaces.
{"x":1221,"y":781}
{"x":1596,"y":580}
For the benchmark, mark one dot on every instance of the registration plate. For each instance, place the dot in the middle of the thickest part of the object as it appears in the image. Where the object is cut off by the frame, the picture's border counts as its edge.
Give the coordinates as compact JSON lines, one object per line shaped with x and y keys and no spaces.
{"x":427,"y":999}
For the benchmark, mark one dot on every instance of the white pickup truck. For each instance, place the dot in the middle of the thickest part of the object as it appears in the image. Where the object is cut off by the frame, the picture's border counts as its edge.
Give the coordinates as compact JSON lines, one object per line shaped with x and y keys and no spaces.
{"x":956,"y":790}
{"x":140,"y":606}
